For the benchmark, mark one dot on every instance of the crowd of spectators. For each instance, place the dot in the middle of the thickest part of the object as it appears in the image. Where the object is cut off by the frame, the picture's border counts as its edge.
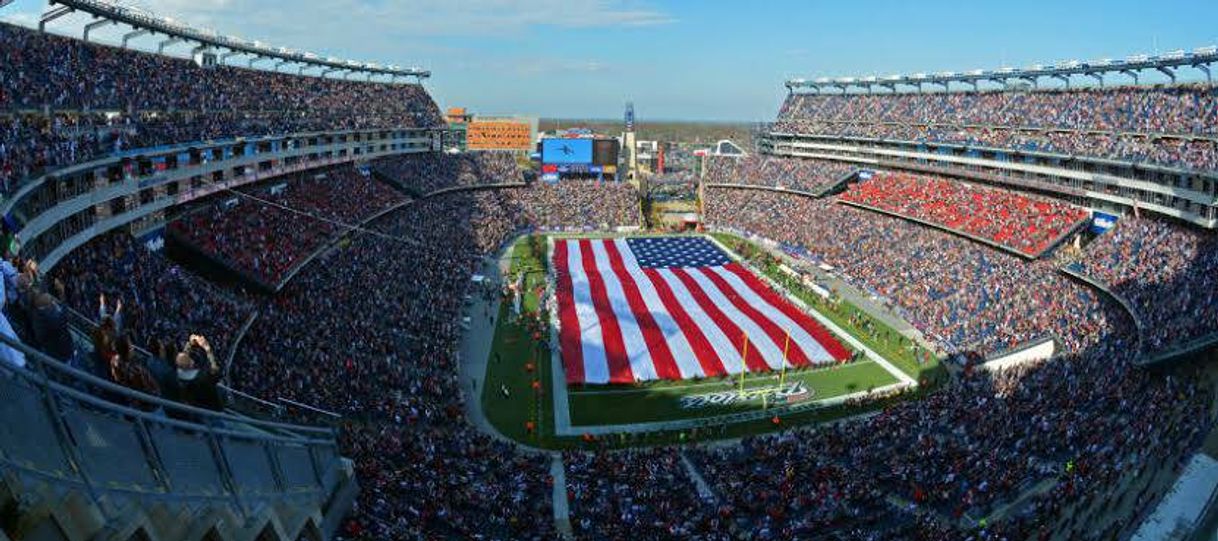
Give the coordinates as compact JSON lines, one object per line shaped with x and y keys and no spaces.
{"x":931,"y":469}
{"x":1172,"y":125}
{"x":266,"y":230}
{"x":369,"y":331}
{"x":1189,"y":109}
{"x":428,"y":172}
{"x":639,"y":494}
{"x":799,"y":174}
{"x":1021,"y":222}
{"x":58,"y":72}
{"x":155,"y":301}
{"x":964,"y":295}
{"x":1168,"y":272}
{"x":63,"y":101}
{"x":679,"y":185}
{"x":961,"y":453}
{"x":579,"y":204}
{"x":159,"y":312}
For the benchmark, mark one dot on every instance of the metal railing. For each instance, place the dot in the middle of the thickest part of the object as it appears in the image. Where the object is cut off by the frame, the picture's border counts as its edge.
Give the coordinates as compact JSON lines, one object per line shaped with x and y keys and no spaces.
{"x":73,"y":428}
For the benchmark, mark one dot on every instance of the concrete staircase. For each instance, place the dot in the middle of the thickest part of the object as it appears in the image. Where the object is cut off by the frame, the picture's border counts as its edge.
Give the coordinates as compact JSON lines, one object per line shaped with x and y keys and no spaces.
{"x":34,"y":509}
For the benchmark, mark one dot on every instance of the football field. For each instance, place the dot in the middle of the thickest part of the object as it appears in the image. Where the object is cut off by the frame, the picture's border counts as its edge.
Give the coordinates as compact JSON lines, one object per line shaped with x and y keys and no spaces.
{"x":531,"y":396}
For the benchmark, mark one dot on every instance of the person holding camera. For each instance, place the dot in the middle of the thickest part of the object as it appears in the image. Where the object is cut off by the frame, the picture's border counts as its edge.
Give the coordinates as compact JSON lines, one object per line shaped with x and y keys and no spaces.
{"x":198,"y":376}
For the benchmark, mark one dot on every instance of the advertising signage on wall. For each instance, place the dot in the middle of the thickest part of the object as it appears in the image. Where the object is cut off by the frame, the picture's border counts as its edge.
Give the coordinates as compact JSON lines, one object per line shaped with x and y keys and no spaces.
{"x":506,"y":134}
{"x":1102,"y":221}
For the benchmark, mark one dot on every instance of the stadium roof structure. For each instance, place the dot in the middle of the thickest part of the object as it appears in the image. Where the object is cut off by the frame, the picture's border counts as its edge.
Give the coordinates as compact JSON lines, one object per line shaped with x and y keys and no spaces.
{"x":1200,"y":58}
{"x":144,"y":22}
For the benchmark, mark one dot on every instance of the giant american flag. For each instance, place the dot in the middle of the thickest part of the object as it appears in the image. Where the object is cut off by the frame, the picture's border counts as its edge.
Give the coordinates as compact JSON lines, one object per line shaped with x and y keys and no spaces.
{"x":638,"y":309}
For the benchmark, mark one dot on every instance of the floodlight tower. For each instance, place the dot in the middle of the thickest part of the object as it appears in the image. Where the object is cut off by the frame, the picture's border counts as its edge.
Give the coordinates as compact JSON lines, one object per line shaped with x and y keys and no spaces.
{"x":628,"y":143}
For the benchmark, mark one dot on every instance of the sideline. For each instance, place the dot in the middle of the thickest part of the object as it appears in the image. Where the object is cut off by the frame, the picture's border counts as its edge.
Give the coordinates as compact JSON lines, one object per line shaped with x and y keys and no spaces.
{"x":874,"y":305}
{"x":841,"y":333}
{"x":474,"y":351}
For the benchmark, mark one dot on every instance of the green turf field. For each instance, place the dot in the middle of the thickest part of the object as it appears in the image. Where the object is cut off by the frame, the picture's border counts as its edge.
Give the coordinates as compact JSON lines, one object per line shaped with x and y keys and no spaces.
{"x":520,"y":367}
{"x":513,"y":352}
{"x":649,"y":404}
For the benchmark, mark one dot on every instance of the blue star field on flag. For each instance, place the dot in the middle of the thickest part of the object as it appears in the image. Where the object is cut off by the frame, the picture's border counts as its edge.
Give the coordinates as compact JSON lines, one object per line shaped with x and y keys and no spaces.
{"x":664,"y":252}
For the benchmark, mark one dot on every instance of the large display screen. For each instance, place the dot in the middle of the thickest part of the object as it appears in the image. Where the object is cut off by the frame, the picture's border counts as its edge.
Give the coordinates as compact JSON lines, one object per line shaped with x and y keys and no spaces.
{"x":566,"y":151}
{"x":605,"y":152}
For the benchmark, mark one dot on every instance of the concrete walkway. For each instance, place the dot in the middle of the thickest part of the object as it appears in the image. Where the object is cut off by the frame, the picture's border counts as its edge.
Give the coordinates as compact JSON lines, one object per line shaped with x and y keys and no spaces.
{"x":562,"y":508}
{"x":906,"y":506}
{"x":478,"y":320}
{"x":1002,"y":512}
{"x":704,"y":490}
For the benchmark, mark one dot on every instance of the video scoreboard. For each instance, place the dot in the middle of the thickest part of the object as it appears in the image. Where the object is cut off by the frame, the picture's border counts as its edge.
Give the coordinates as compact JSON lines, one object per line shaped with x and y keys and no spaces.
{"x":579,"y":157}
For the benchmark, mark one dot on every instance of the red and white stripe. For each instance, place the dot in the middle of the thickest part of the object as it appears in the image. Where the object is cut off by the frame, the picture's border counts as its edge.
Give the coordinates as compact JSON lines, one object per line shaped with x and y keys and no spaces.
{"x":622,"y":323}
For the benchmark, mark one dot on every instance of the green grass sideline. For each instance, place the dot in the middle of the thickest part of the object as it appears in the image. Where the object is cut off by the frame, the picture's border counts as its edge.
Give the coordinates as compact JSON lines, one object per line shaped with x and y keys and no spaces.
{"x":881,"y":338}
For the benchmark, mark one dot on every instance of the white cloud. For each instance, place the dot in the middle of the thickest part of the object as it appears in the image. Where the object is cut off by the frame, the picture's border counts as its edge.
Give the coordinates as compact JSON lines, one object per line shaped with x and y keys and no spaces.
{"x":411,"y":18}
{"x":21,"y":18}
{"x":553,"y":66}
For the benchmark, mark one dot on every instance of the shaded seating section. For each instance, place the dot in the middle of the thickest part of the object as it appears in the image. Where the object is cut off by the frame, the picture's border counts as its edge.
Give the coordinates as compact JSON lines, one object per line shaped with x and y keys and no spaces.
{"x":800,"y":174}
{"x":265,"y":231}
{"x":425,"y":173}
{"x":161,"y":302}
{"x":1167,"y":271}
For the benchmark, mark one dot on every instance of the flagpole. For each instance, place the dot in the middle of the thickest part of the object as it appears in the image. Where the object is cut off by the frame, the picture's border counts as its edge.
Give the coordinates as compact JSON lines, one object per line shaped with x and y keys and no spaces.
{"x":782,"y":377}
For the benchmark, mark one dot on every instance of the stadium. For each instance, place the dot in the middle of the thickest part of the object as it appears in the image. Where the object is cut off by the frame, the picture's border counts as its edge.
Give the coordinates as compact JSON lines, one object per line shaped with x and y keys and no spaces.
{"x":257,"y":293}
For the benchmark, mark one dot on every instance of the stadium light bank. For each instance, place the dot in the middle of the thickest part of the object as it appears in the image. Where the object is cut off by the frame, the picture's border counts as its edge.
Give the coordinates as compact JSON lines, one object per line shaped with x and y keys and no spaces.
{"x":1200,"y":58}
{"x":144,"y":22}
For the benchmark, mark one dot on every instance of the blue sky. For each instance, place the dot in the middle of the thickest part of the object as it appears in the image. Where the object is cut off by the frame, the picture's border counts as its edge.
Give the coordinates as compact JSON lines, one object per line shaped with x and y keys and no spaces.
{"x":679,"y":59}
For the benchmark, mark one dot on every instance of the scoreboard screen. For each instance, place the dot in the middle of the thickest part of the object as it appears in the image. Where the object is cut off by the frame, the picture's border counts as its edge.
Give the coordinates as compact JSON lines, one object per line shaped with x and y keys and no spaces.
{"x":605,"y":151}
{"x":566,"y":151}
